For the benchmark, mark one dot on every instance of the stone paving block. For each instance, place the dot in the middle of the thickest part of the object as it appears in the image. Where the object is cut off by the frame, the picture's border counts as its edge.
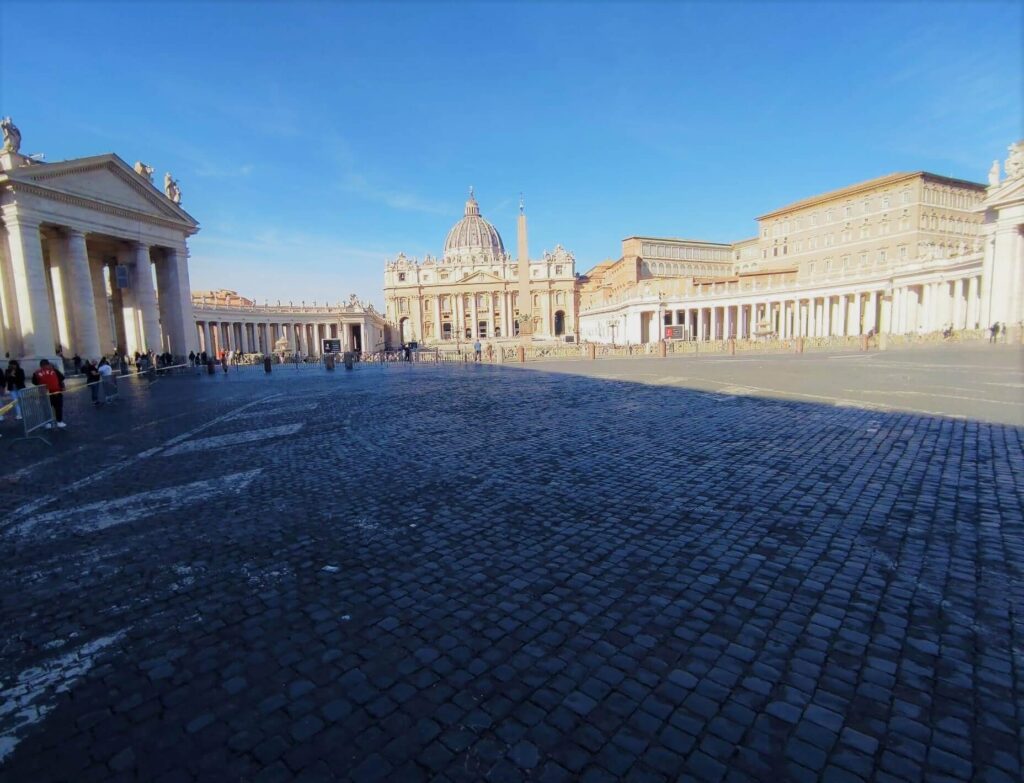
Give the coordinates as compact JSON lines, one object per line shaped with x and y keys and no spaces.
{"x":626,"y":610}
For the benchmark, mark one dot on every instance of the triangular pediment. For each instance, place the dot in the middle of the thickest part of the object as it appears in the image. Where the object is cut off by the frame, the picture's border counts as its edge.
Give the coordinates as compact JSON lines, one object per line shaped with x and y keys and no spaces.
{"x":482,"y":277}
{"x":106,"y":180}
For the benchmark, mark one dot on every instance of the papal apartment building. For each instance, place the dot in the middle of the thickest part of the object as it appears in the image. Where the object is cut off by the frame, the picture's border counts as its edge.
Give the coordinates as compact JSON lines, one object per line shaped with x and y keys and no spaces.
{"x":902,"y":253}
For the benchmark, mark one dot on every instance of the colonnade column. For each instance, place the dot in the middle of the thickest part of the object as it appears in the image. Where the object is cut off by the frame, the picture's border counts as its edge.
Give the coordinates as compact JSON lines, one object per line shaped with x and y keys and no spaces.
{"x":728,"y":322}
{"x":490,"y":315}
{"x":972,"y":302}
{"x":30,"y":290}
{"x":145,"y":298}
{"x":61,"y":313}
{"x":83,"y":301}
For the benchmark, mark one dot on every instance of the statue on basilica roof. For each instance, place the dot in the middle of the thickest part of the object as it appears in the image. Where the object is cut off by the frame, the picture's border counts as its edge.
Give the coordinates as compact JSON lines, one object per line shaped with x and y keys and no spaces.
{"x":993,"y":175}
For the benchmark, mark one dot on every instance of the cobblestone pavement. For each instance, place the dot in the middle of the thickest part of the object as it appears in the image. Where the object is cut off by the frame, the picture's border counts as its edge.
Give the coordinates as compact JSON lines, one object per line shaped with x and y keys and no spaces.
{"x":485,"y":573}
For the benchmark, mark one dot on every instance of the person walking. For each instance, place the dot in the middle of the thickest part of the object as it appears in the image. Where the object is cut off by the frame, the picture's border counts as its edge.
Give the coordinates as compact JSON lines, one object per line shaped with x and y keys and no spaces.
{"x":994,"y":329}
{"x":14,"y":378}
{"x":49,"y":376}
{"x":92,"y":380}
{"x":477,"y":351}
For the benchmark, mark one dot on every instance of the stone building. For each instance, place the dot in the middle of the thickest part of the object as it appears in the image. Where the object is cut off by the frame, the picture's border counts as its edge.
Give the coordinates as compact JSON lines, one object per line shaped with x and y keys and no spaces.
{"x":473,"y":290}
{"x":93,"y":257}
{"x":903,"y":253}
{"x":225,"y":321}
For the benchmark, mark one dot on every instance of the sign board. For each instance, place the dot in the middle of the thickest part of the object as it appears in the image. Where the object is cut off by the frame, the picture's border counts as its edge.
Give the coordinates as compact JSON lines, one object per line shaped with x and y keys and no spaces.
{"x":331,"y":345}
{"x":122,"y":277}
{"x":673,"y":332}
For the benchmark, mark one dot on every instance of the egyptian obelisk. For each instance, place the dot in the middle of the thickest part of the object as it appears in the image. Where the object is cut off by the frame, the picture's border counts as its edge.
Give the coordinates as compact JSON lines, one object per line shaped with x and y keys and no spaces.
{"x":525,"y":300}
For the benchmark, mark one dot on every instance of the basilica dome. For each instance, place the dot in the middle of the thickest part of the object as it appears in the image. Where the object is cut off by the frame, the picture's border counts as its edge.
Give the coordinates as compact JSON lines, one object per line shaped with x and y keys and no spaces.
{"x":473,"y":237}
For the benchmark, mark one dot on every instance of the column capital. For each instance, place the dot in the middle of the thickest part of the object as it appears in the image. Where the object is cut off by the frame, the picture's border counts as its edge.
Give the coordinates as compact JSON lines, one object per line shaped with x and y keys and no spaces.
{"x":73,"y":233}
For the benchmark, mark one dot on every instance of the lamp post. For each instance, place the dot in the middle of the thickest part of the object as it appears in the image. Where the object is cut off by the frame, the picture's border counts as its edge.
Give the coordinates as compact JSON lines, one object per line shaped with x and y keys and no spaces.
{"x":612,"y":326}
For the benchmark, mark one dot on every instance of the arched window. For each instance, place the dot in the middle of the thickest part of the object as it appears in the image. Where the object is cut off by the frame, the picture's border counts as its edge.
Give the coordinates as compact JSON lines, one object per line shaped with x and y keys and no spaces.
{"x":560,"y":297}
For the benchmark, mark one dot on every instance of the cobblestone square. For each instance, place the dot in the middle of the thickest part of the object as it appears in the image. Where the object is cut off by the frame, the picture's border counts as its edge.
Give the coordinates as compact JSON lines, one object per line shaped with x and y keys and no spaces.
{"x":522,"y":573}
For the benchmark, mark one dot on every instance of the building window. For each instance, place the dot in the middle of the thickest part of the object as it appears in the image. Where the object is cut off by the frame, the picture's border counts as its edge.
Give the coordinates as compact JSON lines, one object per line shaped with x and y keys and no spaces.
{"x":828,"y":216}
{"x":885,"y":202}
{"x":814,"y":219}
{"x":863,"y":259}
{"x":444,"y":275}
{"x":558,"y":269}
{"x":403,"y":305}
{"x":847,"y":211}
{"x":401,"y":277}
{"x":905,"y":196}
{"x":426,"y":278}
{"x":903,"y":252}
{"x":881,"y":256}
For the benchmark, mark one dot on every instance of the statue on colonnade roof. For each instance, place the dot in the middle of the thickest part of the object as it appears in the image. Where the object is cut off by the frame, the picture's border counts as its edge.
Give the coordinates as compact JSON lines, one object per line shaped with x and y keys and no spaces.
{"x":12,"y":136}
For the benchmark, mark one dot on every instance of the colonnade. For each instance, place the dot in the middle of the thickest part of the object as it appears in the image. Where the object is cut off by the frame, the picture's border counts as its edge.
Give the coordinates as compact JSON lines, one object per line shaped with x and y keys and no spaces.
{"x":911,"y":306}
{"x":304,"y":338}
{"x":63,"y":288}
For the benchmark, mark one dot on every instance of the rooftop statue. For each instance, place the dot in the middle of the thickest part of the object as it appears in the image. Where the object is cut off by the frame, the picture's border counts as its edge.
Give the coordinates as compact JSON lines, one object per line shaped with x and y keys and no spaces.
{"x":171,"y":188}
{"x":993,"y":175}
{"x":144,"y":170}
{"x":12,"y":136}
{"x":1015,"y":163}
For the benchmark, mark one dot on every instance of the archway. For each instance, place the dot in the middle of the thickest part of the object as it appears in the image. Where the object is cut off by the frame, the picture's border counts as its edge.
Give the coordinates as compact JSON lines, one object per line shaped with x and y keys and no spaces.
{"x":559,"y":323}
{"x":403,"y":331}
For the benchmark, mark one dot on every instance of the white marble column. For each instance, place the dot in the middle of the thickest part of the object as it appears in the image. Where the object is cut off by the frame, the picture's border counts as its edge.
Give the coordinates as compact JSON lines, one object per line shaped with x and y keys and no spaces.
{"x":145,"y":298}
{"x":61,"y":312}
{"x":79,"y":278}
{"x":26,"y":254}
{"x":474,"y":317}
{"x":437,"y":318}
{"x":728,"y":322}
{"x":714,"y":323}
{"x":973,"y":320}
{"x":101,"y":307}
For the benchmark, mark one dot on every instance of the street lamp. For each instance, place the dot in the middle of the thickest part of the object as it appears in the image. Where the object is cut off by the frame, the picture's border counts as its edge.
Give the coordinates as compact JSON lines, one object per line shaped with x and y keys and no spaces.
{"x":613,"y":325}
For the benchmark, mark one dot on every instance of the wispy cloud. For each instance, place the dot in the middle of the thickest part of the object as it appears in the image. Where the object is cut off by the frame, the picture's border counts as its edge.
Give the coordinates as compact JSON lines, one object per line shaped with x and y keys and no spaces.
{"x":271,"y":264}
{"x":358,"y":185}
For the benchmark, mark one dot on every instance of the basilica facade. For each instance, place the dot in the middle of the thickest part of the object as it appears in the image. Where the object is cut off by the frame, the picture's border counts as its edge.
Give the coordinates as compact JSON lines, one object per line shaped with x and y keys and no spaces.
{"x":477,"y":290}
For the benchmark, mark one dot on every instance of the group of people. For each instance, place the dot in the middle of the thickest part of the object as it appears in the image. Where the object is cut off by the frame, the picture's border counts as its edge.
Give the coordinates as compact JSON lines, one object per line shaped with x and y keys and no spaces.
{"x":47,"y":375}
{"x":995,"y":330}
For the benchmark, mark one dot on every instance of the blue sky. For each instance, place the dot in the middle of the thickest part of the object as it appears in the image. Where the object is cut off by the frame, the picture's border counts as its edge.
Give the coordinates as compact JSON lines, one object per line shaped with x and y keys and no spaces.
{"x":312,"y":141}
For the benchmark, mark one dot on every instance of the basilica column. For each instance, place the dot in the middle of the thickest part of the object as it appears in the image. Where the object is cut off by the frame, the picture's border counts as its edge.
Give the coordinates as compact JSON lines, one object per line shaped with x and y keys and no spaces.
{"x":491,"y":300}
{"x":83,"y":303}
{"x":475,"y":329}
{"x":30,"y":291}
{"x":437,"y":317}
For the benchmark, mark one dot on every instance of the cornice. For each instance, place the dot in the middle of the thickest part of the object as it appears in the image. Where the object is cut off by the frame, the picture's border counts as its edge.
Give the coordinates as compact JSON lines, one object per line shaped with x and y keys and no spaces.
{"x":92,"y":203}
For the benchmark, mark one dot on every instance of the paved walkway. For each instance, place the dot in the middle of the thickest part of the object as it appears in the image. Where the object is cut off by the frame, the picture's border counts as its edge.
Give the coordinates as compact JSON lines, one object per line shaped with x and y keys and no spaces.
{"x":503,"y":573}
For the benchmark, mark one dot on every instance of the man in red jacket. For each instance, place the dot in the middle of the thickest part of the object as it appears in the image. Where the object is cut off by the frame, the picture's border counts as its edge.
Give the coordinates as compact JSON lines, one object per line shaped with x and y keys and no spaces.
{"x":48,"y":376}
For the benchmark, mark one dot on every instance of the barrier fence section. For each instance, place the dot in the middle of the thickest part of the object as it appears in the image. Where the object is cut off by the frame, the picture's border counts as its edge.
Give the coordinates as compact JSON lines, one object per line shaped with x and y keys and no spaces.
{"x":36,"y":411}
